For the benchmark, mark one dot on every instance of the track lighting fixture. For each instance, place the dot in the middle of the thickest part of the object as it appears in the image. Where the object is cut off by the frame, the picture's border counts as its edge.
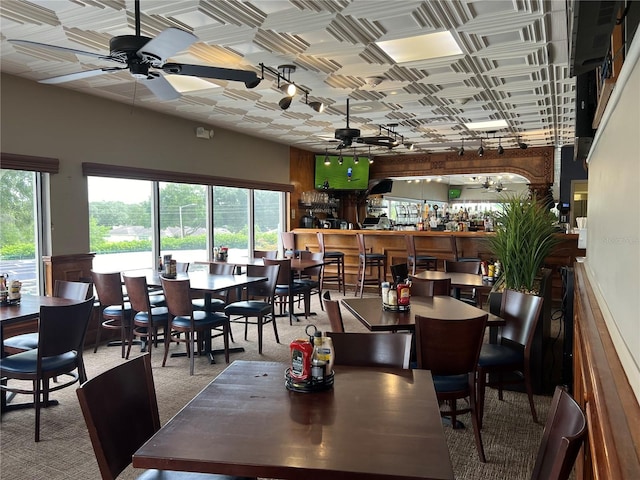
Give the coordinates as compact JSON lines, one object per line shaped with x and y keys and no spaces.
{"x":285,"y":102}
{"x":481,"y":149}
{"x":500,"y":148}
{"x":340,"y":160}
{"x":327,"y":160}
{"x":461,"y":151}
{"x":356,"y":160}
{"x":289,"y":88}
{"x":409,"y":146}
{"x":369,"y":157}
{"x":521,"y":144}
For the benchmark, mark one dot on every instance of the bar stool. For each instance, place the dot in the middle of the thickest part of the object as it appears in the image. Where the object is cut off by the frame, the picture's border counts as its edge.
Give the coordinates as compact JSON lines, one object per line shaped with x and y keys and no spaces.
{"x":414,"y":261}
{"x":371,"y":260}
{"x":289,"y":244}
{"x":332,"y":258}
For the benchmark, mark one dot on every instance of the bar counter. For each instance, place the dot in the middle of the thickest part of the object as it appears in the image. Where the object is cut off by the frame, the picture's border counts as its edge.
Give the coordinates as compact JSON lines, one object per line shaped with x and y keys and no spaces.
{"x":440,"y":244}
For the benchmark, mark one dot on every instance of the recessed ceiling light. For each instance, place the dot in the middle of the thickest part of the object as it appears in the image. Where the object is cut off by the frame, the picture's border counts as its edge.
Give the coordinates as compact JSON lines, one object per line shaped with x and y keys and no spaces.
{"x":488,"y":125}
{"x":421,"y":47}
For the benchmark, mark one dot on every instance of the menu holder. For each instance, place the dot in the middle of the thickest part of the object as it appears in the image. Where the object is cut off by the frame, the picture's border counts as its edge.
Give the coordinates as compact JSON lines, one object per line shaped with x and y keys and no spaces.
{"x":308,"y":386}
{"x":396,"y":308}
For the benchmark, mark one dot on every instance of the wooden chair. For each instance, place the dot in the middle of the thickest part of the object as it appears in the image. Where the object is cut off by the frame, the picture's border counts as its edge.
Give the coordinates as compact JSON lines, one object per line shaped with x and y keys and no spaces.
{"x":377,"y":261}
{"x":464,"y":266}
{"x":62,"y":289}
{"x":191,"y":322}
{"x":287,"y":290}
{"x":126,"y":393}
{"x":312,"y":276}
{"x":265,"y":254}
{"x":371,"y":349}
{"x":332,"y":307}
{"x":259,"y":303}
{"x":562,"y":438}
{"x":332,"y":258}
{"x":450,"y":349}
{"x":428,"y":288}
{"x":512,"y":355}
{"x":116,"y":313}
{"x":289,"y":244}
{"x":414,"y":260}
{"x":61,"y":332}
{"x":399,"y":270}
{"x":147,"y":319}
{"x":220,"y":300}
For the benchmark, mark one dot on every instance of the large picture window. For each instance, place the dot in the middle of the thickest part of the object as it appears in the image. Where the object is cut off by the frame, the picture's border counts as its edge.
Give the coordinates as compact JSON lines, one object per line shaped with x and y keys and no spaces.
{"x":19,"y":234}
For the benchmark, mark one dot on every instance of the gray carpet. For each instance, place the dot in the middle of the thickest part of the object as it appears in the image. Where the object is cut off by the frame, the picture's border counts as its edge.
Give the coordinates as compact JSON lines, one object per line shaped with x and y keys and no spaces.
{"x":64,"y":452}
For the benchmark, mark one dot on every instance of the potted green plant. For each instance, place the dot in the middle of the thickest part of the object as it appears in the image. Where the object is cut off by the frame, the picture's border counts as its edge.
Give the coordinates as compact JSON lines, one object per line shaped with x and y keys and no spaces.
{"x":524,"y":237}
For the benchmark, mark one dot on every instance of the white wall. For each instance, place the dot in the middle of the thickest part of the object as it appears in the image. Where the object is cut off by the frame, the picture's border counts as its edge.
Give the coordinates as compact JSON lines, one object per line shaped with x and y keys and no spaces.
{"x":49,"y":121}
{"x":613,"y":240}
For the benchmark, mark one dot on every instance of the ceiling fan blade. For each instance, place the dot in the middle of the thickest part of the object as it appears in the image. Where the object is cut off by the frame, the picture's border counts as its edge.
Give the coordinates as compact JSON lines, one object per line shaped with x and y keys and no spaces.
{"x":27,"y":43}
{"x":165,"y":44}
{"x":79,"y":75}
{"x":161,"y":88}
{"x":248,"y":77}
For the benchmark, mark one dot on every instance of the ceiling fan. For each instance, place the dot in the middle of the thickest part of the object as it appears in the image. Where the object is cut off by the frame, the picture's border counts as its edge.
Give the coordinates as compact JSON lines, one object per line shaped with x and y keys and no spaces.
{"x":488,"y":183}
{"x":144,"y":57}
{"x":347,"y":136}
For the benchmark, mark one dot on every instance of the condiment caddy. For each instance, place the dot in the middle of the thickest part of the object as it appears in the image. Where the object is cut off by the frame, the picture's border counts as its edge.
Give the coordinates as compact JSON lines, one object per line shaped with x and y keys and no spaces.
{"x":396,"y":297}
{"x":311,"y":367}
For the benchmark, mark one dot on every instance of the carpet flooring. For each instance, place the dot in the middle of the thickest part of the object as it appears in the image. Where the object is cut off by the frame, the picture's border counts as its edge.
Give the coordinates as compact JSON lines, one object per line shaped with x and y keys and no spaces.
{"x":64,"y":453}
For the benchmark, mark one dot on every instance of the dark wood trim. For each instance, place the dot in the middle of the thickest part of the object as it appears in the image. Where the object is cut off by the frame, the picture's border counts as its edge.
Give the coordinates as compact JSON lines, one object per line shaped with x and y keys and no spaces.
{"x":535,"y":164}
{"x":13,"y":161}
{"x":602,"y":389}
{"x":119,"y":171}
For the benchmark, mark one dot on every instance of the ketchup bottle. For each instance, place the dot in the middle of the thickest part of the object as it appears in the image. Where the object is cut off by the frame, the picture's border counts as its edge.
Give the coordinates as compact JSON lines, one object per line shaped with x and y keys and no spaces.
{"x":301,"y":353}
{"x":404,"y":292}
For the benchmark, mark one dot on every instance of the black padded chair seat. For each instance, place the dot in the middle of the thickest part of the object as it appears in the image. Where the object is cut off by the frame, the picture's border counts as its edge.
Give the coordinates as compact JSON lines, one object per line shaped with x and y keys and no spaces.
{"x":423,"y":258}
{"x":26,"y":341}
{"x":160,"y":316}
{"x":217,"y":304}
{"x":496,"y":354}
{"x":26,"y":362}
{"x":116,"y":309}
{"x":450,"y":383}
{"x":374,"y":256}
{"x":248,"y":307}
{"x":200,"y":319}
{"x":333,"y":254}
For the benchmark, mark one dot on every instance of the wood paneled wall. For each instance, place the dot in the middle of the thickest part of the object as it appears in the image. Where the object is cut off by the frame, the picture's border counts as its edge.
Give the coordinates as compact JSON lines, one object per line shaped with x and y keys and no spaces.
{"x":612,"y":450}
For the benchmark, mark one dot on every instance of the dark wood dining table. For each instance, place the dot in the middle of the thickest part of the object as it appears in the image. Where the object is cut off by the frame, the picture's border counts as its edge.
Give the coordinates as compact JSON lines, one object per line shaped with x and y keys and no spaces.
{"x":375,"y":423}
{"x":370,"y":313}
{"x":28,"y":309}
{"x":297,"y":264}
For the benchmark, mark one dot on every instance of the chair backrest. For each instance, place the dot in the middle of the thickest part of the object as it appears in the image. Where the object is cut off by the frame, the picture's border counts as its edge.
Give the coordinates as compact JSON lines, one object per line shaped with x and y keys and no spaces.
{"x":182,"y":267}
{"x":221,"y":268}
{"x":332,"y":307}
{"x":362,"y":248}
{"x":472,"y":266}
{"x":177,"y":294}
{"x":449,"y":347}
{"x":314,"y":272}
{"x":520,"y":312}
{"x":266,"y":289}
{"x":321,"y":246}
{"x":284,"y":275}
{"x":288,"y":242}
{"x":108,"y":287}
{"x":371,"y":349}
{"x":138,"y":293}
{"x":409,"y":240}
{"x":563,"y":434}
{"x":400,"y":270}
{"x":62,"y":328}
{"x":265,"y":254}
{"x":111,"y":403}
{"x":428,"y":288}
{"x":71,"y":290}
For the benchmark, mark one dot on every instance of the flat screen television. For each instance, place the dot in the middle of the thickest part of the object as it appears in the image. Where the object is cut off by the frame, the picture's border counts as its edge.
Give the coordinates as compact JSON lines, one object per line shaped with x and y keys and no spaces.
{"x":348,"y":176}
